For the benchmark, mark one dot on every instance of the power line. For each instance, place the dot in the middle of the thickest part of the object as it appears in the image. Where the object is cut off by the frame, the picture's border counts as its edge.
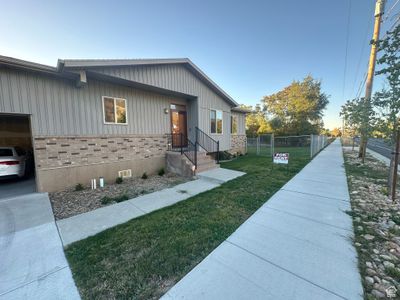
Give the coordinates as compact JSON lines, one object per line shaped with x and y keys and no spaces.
{"x":390,"y":10}
{"x":362,"y":51}
{"x":347,"y":48}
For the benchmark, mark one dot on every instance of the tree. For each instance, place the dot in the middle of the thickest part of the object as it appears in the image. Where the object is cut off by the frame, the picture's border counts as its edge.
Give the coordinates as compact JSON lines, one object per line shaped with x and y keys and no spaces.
{"x":326,"y":132}
{"x":359,"y":118}
{"x":256,"y":121}
{"x":336,"y":132}
{"x":388,"y":99}
{"x":298,"y":108}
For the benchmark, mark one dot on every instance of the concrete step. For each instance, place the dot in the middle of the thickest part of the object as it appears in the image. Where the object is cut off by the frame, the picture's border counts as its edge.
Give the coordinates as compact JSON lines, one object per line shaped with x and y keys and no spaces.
{"x":203,"y":168}
{"x":205,"y":159}
{"x":206,"y":162}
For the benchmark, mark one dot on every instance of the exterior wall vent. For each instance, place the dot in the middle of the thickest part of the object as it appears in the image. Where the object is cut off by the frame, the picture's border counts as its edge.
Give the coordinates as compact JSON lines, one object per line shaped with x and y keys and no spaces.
{"x":125,"y":173}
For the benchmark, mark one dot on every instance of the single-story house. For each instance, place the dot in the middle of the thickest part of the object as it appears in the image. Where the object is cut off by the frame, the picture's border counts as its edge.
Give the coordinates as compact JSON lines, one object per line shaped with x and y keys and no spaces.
{"x":115,"y":117}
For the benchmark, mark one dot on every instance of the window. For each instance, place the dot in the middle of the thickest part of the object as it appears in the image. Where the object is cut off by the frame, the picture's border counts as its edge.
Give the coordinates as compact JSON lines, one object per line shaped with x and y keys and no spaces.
{"x":6,"y":152}
{"x":114,"y":110}
{"x":216,"y":121}
{"x":234,"y":124}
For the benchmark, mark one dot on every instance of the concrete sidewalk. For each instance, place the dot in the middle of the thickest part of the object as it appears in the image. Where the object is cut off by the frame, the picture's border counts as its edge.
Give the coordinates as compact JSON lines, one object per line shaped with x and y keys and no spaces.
{"x":298,"y":245}
{"x":87,"y":224}
{"x":32,"y":261}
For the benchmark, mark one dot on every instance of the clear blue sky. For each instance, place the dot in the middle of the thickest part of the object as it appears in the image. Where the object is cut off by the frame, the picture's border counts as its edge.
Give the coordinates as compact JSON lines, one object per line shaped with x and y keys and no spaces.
{"x":250,"y":48}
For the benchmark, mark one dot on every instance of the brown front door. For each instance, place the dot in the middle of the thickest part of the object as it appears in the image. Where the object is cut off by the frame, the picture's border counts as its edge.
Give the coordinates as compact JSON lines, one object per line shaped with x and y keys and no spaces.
{"x":178,"y":125}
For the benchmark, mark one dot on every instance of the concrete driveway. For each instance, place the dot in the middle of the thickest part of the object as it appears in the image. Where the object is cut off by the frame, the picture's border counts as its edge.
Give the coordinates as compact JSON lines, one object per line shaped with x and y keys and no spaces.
{"x":32,"y":261}
{"x":16,"y":187}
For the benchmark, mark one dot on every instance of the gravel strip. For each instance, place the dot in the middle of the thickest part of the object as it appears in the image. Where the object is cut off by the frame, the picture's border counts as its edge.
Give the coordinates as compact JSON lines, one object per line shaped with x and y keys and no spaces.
{"x":376,"y":222}
{"x":69,"y":202}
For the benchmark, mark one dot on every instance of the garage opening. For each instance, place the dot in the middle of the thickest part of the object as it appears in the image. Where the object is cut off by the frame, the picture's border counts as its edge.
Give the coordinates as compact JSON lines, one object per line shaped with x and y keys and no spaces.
{"x":17,"y":166}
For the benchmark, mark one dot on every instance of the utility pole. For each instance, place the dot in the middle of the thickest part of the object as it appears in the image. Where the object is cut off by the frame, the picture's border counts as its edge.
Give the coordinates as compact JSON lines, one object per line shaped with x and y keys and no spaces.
{"x":379,"y":10}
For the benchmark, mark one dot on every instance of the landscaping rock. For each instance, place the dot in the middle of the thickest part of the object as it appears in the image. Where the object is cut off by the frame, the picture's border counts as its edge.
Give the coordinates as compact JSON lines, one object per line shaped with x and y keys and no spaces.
{"x":377,"y":234}
{"x":369,"y":237}
{"x":70,"y":202}
{"x":378,"y":294}
{"x":369,"y":280}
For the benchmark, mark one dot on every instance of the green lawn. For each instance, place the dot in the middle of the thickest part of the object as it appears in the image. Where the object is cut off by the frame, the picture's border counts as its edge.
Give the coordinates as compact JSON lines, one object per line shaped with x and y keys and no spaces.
{"x":144,"y":257}
{"x":265,"y":150}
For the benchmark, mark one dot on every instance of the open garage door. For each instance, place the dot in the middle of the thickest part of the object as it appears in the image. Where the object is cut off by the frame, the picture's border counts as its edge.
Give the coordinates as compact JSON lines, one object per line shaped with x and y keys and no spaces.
{"x":17,"y":171}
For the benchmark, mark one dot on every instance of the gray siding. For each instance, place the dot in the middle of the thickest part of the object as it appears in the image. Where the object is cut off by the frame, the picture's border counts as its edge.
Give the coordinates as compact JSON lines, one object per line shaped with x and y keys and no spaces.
{"x":58,"y":108}
{"x":179,"y":78}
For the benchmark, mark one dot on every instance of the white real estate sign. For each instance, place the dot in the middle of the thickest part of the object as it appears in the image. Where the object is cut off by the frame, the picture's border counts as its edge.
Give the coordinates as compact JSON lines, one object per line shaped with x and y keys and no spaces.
{"x":281,"y":158}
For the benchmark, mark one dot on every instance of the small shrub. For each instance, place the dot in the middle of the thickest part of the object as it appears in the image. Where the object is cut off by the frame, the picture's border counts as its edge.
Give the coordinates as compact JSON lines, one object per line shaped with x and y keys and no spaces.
{"x":161,"y":172}
{"x":384,"y":190}
{"x":144,"y":176}
{"x":119,"y":180}
{"x":79,"y":187}
{"x":117,"y":199}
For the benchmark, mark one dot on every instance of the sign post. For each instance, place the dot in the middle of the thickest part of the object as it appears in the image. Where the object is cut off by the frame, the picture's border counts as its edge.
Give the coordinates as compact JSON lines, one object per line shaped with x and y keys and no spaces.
{"x":281,"y":158}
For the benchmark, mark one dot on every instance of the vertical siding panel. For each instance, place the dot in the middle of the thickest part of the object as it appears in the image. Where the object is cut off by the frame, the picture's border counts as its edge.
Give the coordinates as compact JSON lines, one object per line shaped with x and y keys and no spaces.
{"x":19,"y":100}
{"x":34,"y":105}
{"x":9,"y":107}
{"x":2,"y":99}
{"x":24,"y":94}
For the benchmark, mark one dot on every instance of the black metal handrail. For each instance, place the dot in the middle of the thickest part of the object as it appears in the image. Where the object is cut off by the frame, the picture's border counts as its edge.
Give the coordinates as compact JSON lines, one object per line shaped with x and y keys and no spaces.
{"x":207,"y":142}
{"x":191,"y":152}
{"x":179,"y":142}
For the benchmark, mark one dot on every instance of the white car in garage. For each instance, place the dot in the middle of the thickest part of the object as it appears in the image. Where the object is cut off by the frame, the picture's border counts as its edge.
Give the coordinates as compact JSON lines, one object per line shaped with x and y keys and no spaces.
{"x":12,"y":162}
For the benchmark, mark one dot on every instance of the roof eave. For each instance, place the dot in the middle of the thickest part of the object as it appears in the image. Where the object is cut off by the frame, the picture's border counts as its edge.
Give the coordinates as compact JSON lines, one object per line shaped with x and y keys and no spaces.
{"x":95,"y":63}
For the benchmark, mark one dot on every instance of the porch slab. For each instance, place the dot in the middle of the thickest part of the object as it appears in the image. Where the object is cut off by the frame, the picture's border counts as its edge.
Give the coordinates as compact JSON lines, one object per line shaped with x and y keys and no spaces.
{"x":87,"y":224}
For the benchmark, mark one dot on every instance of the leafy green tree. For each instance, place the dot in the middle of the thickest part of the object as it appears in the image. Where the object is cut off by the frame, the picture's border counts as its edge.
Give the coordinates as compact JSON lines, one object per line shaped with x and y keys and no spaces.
{"x":388,"y":99}
{"x":298,"y":108}
{"x":326,"y":132}
{"x":256,"y":121}
{"x":359,"y":118}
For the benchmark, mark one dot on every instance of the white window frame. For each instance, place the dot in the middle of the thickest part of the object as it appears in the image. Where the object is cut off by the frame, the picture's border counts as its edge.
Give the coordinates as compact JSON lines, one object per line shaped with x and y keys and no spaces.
{"x":216,"y":121}
{"x":115,"y":111}
{"x":235,"y":117}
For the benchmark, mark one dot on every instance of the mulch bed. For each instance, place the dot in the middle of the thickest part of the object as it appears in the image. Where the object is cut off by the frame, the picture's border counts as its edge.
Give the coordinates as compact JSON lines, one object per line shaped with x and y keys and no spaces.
{"x":70,"y":202}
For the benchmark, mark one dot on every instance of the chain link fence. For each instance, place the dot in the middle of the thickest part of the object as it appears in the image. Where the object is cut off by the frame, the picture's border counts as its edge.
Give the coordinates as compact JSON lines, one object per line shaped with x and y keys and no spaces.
{"x":301,"y":145}
{"x":318,"y":142}
{"x":261,"y":145}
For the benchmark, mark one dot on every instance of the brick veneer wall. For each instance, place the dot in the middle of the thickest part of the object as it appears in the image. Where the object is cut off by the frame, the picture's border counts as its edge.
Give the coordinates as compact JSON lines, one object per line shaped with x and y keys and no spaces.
{"x":238,"y":143}
{"x":55,"y":152}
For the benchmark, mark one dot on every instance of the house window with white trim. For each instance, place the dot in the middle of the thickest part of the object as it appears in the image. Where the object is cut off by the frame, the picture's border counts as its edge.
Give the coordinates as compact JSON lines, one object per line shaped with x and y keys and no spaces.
{"x":234,"y":124}
{"x":114,"y":110}
{"x":216,"y":121}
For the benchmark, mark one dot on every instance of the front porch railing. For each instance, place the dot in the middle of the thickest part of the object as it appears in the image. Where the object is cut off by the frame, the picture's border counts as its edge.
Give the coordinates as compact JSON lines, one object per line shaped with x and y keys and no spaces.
{"x":179,"y":142}
{"x":207,"y":143}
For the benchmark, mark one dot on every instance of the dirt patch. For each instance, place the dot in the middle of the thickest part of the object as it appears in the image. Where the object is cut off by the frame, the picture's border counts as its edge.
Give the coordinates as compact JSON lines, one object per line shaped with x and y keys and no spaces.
{"x":70,"y":202}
